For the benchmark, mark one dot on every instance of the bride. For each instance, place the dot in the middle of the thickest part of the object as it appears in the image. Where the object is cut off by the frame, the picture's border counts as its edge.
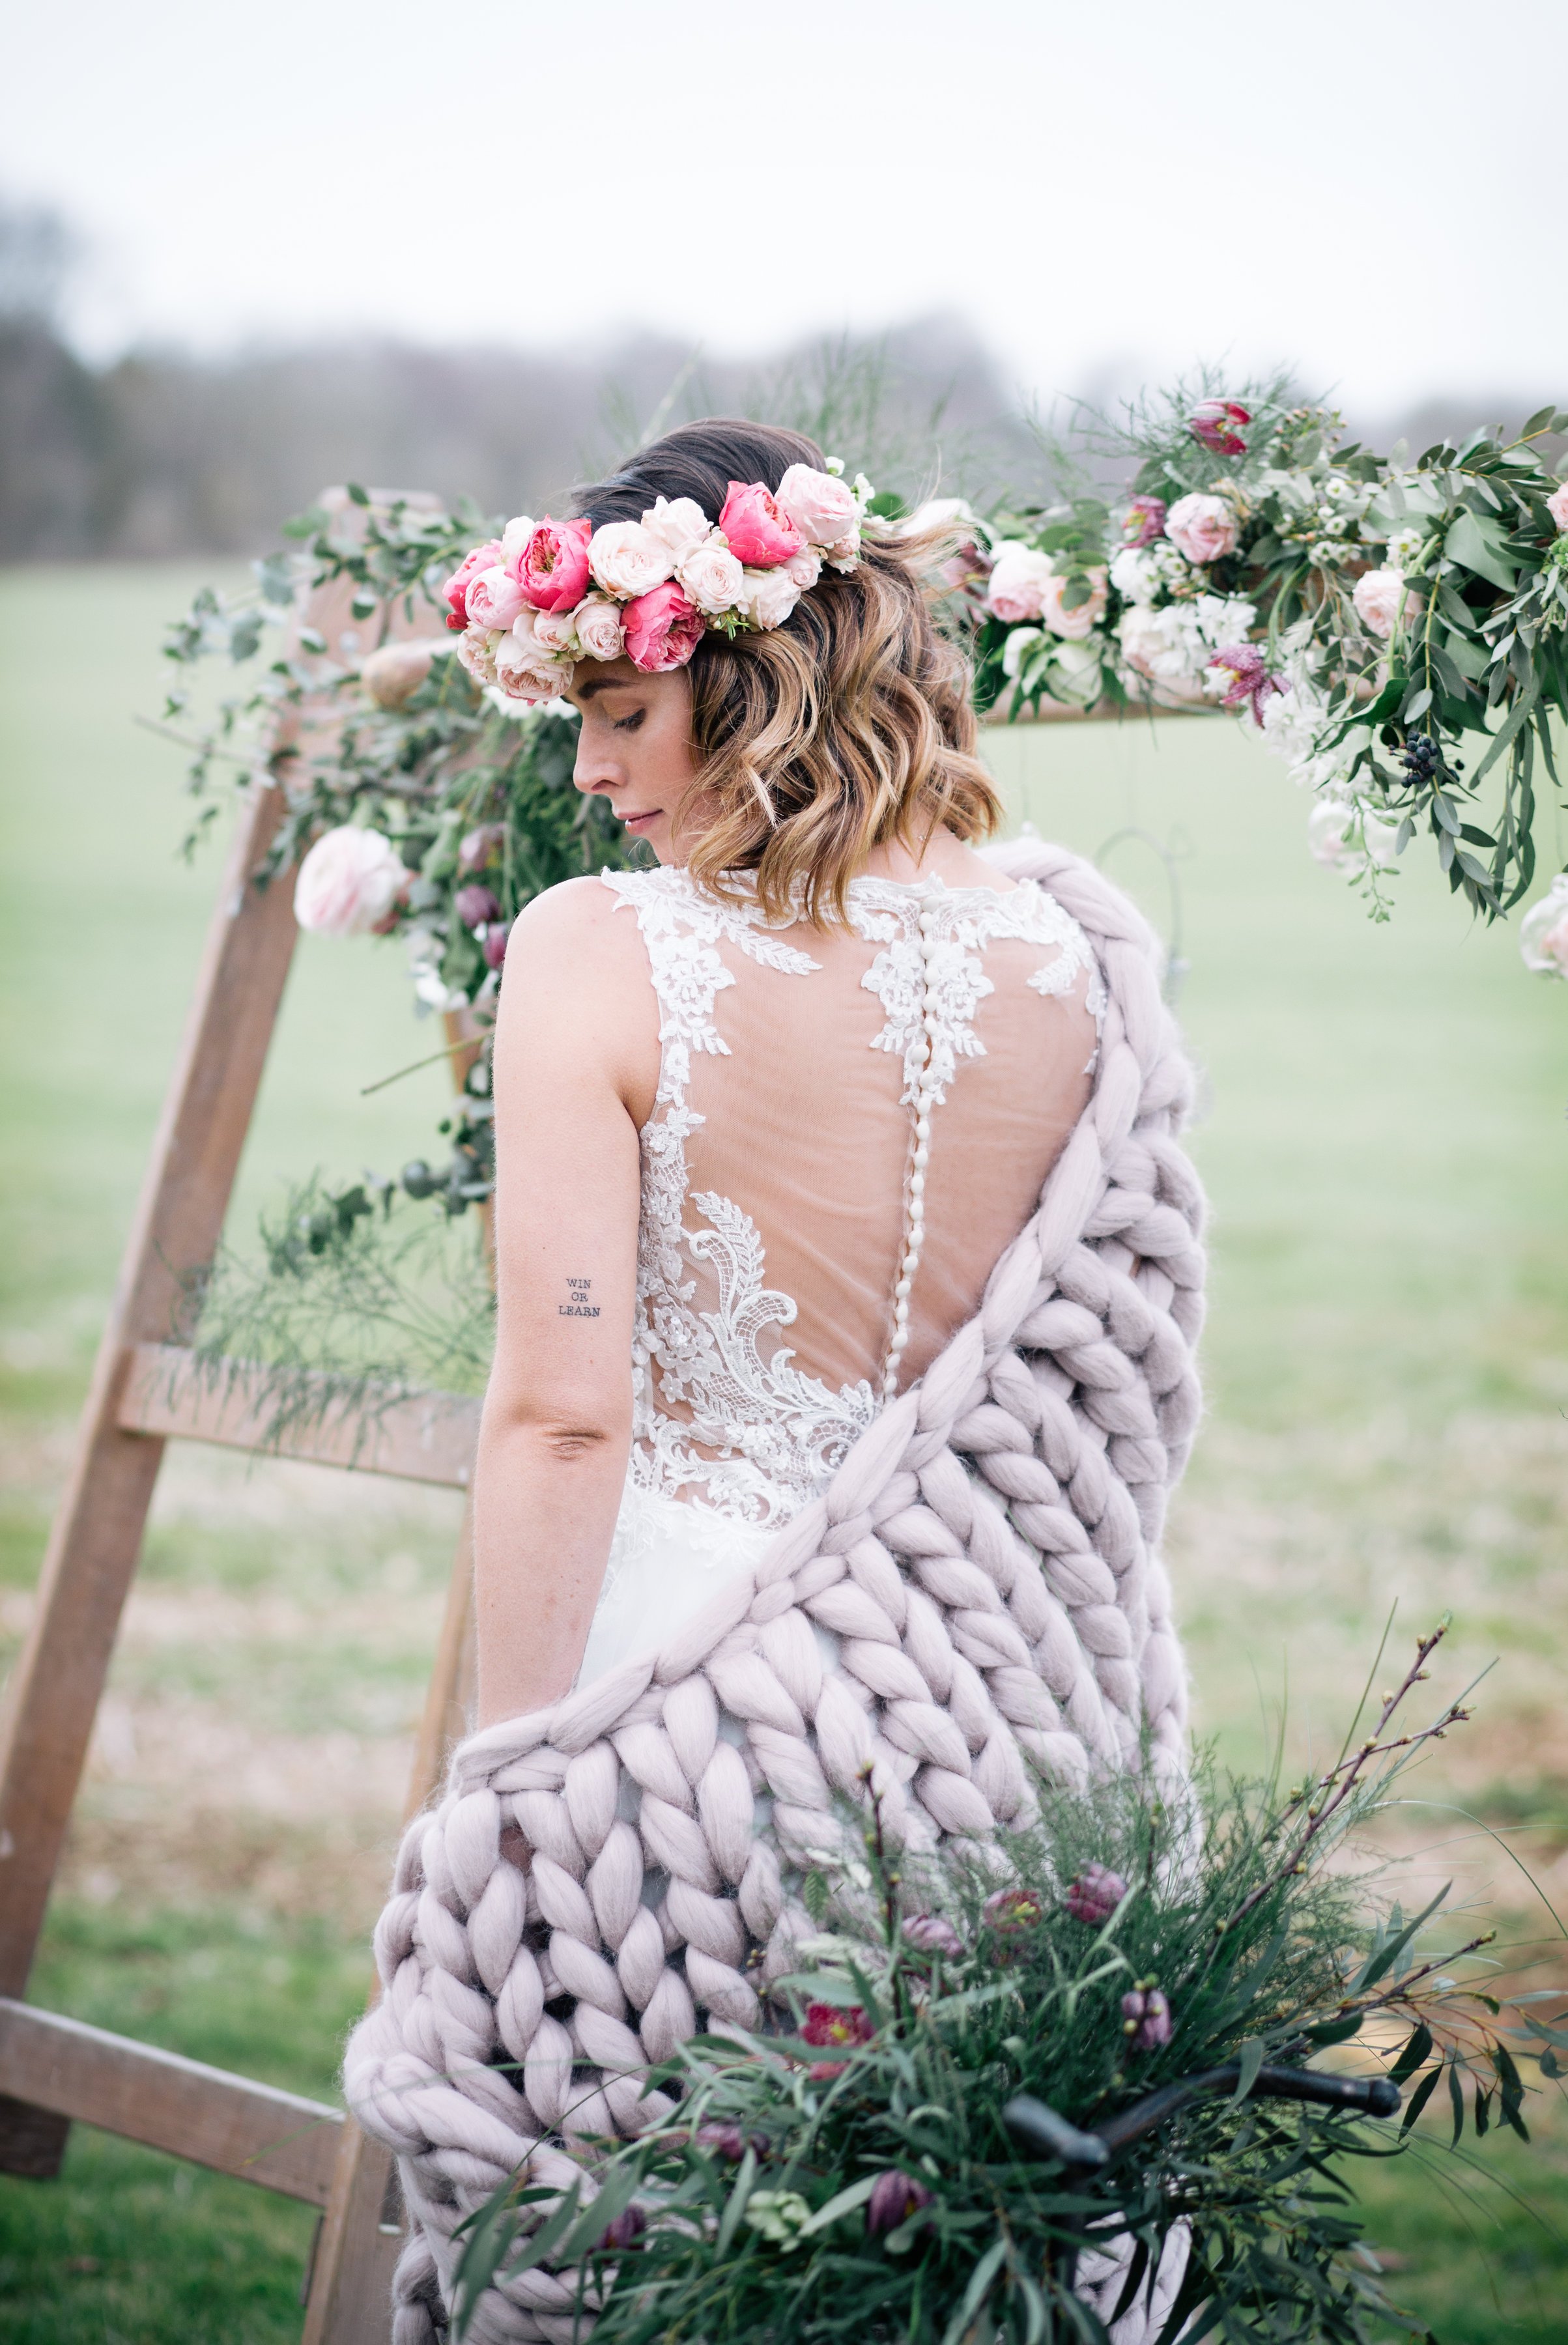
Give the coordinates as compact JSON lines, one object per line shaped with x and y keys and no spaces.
{"x":731,"y":1147}
{"x":847,"y":1272}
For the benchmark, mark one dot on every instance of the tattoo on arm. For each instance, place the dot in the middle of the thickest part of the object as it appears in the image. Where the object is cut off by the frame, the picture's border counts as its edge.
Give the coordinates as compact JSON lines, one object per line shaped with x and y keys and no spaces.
{"x":577,"y":1306}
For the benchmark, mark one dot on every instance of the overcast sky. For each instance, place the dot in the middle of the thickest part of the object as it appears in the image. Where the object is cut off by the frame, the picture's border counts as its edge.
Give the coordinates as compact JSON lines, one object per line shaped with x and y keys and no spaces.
{"x":1369,"y":189}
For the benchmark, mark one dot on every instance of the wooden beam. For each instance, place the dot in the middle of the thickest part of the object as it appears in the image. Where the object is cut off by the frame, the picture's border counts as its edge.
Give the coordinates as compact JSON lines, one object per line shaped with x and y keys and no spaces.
{"x":425,"y":1438}
{"x":51,"y":1699}
{"x":277,"y":2140}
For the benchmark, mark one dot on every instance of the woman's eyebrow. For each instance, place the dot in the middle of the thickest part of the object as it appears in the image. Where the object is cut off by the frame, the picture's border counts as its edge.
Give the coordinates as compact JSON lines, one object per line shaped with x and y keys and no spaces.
{"x":601,"y":683}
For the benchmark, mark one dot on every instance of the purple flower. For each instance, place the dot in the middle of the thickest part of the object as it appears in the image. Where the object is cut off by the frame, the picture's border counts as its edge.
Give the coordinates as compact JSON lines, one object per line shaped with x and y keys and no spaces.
{"x":829,"y":2026}
{"x":1214,"y":422}
{"x":481,"y":847}
{"x":493,"y":941}
{"x":1095,"y":1896}
{"x":625,"y":2230}
{"x":475,"y":906}
{"x":894,"y":2200}
{"x":1248,"y":682}
{"x":725,"y":2140}
{"x":1143,"y":521}
{"x":1146,"y":2019}
{"x":932,"y":1936}
{"x":1011,"y":1911}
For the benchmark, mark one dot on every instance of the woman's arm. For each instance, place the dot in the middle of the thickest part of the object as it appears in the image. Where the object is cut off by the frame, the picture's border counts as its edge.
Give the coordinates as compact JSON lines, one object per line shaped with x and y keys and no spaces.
{"x":576,"y":1057}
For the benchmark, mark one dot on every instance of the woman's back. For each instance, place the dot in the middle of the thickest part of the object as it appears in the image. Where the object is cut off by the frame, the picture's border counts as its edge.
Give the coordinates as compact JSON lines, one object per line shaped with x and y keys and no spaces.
{"x":779,"y":1179}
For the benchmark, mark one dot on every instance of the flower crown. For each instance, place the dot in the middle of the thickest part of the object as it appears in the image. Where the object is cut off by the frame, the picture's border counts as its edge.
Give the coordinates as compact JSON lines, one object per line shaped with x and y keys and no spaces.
{"x":545,"y":594}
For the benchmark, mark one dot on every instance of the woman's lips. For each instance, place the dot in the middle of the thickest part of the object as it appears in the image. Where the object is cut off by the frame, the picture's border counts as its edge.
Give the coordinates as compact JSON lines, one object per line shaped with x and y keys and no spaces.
{"x":634,"y":821}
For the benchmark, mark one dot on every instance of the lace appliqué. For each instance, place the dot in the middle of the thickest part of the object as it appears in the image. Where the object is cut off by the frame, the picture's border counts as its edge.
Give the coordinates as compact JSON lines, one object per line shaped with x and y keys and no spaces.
{"x":762,"y":1437}
{"x":951,"y":983}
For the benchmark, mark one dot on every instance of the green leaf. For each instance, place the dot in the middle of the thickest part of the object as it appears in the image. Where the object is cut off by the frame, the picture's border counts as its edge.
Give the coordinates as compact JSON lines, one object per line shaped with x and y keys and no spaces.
{"x":844,"y":2204}
{"x":1420,"y":2097}
{"x":1457,"y":2097}
{"x":1475,"y":543}
{"x":1541,"y":421}
{"x":1414,"y":2055}
{"x":357,"y":495}
{"x":975,"y":2294}
{"x":1250,"y":2059}
{"x":745,"y":2183}
{"x":1550,"y":2063}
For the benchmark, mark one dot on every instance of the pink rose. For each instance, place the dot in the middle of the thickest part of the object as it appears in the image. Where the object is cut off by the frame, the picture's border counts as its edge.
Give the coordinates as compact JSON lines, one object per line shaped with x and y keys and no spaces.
{"x":456,"y":591}
{"x":822,"y":506}
{"x":1143,"y":521}
{"x":1380,"y":598}
{"x":1544,"y":932}
{"x":768,"y":597}
{"x":553,"y":570}
{"x":805,"y":569}
{"x":680,"y":525}
{"x":552,"y":630}
{"x":1557,"y":506}
{"x":394,"y":673}
{"x":495,"y":599}
{"x":712,"y":576}
{"x":663,"y":629}
{"x":1214,"y":422}
{"x":627,"y":559}
{"x":1018,"y":578}
{"x":350,"y":883}
{"x":759,"y":535}
{"x":845,"y":553}
{"x":1078,"y":622}
{"x":476,"y":650}
{"x":524,"y":667}
{"x":1202,"y":528}
{"x":599,"y":629}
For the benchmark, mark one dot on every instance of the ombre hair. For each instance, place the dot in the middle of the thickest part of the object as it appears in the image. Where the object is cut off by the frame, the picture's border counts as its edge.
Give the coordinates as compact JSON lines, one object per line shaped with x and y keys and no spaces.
{"x":846,"y":728}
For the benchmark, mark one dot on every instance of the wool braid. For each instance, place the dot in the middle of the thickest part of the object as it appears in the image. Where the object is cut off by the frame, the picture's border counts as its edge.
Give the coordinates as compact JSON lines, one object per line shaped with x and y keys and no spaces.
{"x":593,"y":1877}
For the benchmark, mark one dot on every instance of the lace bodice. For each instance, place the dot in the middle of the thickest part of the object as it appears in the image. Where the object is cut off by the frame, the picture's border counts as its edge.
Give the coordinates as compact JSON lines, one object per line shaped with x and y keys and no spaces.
{"x":770,"y":1077}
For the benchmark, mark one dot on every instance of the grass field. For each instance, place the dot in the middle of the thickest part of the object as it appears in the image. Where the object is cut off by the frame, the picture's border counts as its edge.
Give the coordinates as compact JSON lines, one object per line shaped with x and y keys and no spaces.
{"x":1384,"y":1140}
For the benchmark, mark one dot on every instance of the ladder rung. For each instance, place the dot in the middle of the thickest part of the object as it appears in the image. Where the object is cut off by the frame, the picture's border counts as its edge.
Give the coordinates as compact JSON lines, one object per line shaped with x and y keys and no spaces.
{"x":278,"y":2141}
{"x":428,"y":1438}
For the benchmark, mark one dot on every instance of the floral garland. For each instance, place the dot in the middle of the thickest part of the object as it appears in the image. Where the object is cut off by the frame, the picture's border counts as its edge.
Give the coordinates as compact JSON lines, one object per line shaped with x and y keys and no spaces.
{"x":1366,"y":616}
{"x":543,"y":596}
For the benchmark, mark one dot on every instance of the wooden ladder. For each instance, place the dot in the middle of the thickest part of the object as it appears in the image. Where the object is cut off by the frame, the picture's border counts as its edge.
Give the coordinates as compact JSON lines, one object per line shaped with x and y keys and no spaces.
{"x":145,"y":1391}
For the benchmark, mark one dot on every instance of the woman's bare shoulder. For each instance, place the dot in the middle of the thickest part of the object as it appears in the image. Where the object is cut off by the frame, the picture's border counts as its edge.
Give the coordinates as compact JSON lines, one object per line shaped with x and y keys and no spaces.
{"x":578,"y":978}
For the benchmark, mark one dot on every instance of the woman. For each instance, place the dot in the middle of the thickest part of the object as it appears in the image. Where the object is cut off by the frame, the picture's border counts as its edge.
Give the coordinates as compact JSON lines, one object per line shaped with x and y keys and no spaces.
{"x":848,"y":1273}
{"x":805,"y":793}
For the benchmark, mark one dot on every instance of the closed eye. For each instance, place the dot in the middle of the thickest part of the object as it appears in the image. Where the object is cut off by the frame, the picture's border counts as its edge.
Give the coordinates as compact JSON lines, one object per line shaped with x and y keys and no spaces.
{"x":630,"y":724}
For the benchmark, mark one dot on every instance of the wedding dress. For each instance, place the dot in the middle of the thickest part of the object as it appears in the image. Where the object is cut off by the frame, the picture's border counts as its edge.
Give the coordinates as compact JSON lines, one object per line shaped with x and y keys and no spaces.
{"x":777,"y":1172}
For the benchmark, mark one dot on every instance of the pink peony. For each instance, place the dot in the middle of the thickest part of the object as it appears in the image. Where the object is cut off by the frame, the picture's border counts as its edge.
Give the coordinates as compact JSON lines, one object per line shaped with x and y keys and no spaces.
{"x":826,"y":2026}
{"x":1018,"y":578}
{"x":1143,"y":521}
{"x":393,"y":673}
{"x":348,"y":883}
{"x":932,"y":1936}
{"x":822,"y":506}
{"x":494,"y":598}
{"x":663,"y":629}
{"x":475,"y":906}
{"x":599,"y":629}
{"x":758,"y":535}
{"x":1096,"y":1894}
{"x":1202,"y":528}
{"x":1214,"y":422}
{"x":1146,"y":2019}
{"x":1380,"y":598}
{"x":1079,"y":622}
{"x":554,"y":569}
{"x":895,"y":2196}
{"x":1557,"y":506}
{"x":456,"y":591}
{"x":1239,"y":672}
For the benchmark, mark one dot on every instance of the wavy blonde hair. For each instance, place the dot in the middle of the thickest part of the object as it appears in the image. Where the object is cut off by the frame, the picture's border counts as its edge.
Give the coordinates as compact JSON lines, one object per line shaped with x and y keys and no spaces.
{"x":848,"y":727}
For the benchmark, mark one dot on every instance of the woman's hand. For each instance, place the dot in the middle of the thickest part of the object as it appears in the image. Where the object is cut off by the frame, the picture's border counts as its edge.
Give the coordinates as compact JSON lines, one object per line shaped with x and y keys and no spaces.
{"x":577,"y":1069}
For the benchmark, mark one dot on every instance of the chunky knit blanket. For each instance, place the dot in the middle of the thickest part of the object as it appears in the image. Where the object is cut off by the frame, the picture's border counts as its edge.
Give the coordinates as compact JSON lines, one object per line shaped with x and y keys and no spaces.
{"x":598,"y":1873}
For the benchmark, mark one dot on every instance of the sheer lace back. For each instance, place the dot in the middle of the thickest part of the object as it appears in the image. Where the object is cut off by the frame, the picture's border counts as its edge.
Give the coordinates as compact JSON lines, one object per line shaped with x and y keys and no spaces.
{"x":779,"y":1172}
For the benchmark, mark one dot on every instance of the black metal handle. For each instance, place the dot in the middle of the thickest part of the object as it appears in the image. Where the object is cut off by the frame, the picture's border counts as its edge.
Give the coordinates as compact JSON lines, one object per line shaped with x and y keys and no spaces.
{"x":1041,"y":2132}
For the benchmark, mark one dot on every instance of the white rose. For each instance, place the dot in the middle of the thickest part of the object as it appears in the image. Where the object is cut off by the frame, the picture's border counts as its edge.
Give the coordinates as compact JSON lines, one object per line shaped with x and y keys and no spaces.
{"x":627,"y":560}
{"x":823,"y":509}
{"x":348,"y":882}
{"x":1380,"y":598}
{"x":1162,"y":647}
{"x":514,"y":537}
{"x":1136,"y":575}
{"x":1020,"y":642}
{"x":769,"y":596}
{"x":1544,"y":932}
{"x":476,"y":650}
{"x":805,"y":569}
{"x":599,"y":629}
{"x":681,"y":525}
{"x":712,"y":577}
{"x":552,"y":631}
{"x":1075,"y":624}
{"x":1018,"y":578}
{"x":1074,"y":674}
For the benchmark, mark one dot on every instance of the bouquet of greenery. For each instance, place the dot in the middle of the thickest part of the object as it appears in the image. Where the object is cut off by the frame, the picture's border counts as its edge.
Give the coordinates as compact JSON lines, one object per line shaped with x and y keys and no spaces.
{"x":1023,"y":2092}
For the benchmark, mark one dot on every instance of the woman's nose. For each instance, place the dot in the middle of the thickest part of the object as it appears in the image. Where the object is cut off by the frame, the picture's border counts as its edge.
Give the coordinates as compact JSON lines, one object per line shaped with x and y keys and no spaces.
{"x":595,"y":769}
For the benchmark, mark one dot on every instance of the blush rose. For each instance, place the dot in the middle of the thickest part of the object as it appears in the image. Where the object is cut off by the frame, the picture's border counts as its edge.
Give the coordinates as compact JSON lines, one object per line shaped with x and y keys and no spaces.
{"x":1557,"y":506}
{"x":1379,"y":599}
{"x":1201,"y":527}
{"x":681,"y":524}
{"x":599,"y":629}
{"x":822,"y":506}
{"x":628,"y":559}
{"x":348,"y":883}
{"x":1078,"y":622}
{"x":1018,"y":582}
{"x":712,"y":576}
{"x":494,"y":598}
{"x":455,"y":591}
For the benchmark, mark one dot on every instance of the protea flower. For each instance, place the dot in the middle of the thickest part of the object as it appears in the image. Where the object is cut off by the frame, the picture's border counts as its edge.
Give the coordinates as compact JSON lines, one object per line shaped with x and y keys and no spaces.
{"x":1214,"y":422}
{"x":1146,"y":2019}
{"x":895,"y":2197}
{"x":1096,"y":1894}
